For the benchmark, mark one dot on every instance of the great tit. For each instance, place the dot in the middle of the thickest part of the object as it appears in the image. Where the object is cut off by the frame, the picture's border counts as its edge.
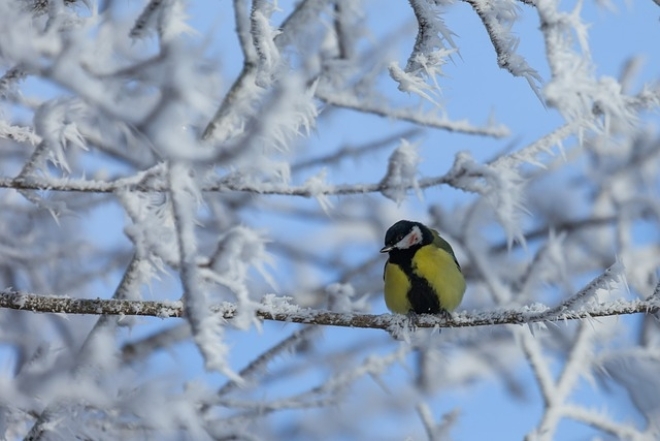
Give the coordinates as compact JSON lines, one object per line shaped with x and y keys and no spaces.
{"x":422,"y":274}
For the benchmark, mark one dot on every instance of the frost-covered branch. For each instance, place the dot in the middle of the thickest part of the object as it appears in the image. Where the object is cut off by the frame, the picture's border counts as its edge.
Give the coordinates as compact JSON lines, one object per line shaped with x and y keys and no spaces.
{"x":150,"y":152}
{"x":290,"y":313}
{"x":260,"y":364}
{"x":349,"y":101}
{"x":602,"y":421}
{"x":432,"y":37}
{"x":71,"y":185}
{"x":147,"y":18}
{"x":436,"y":431}
{"x":498,"y":17}
{"x":145,"y":347}
{"x":304,"y":13}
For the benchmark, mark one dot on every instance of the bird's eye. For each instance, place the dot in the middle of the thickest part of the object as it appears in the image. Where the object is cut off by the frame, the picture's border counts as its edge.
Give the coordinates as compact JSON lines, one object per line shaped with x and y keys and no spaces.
{"x":399,"y":237}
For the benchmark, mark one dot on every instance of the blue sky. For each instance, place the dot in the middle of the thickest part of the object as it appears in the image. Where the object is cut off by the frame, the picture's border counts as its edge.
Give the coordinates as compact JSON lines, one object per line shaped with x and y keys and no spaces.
{"x":474,"y":88}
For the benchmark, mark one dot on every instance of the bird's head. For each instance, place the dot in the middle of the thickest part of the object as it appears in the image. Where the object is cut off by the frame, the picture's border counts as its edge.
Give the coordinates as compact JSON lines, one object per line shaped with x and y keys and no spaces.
{"x":406,"y":235}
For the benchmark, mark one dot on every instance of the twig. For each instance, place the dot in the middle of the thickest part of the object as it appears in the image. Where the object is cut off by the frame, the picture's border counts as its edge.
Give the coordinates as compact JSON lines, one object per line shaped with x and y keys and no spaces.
{"x":505,"y":43}
{"x":260,"y":364}
{"x":349,"y":101}
{"x":349,"y":151}
{"x":143,"y":348}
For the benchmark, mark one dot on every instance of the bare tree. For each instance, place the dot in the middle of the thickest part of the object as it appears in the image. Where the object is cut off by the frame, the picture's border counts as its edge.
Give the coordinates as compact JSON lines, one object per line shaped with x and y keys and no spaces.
{"x":189,"y":249}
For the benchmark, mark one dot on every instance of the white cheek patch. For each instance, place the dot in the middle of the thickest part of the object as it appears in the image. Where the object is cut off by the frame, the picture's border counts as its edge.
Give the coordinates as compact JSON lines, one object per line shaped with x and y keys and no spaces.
{"x":411,"y":239}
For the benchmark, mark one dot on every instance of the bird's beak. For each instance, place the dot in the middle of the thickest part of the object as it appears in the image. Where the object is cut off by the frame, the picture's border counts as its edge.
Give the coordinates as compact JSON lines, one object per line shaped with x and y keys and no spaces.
{"x":386,"y":249}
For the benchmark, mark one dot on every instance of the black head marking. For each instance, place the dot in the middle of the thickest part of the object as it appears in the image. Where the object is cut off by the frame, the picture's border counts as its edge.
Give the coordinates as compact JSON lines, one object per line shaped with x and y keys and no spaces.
{"x":401,"y":229}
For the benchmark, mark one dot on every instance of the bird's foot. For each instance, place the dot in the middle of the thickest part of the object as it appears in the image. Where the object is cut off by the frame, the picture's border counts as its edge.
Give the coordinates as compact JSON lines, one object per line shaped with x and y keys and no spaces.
{"x":413,"y":318}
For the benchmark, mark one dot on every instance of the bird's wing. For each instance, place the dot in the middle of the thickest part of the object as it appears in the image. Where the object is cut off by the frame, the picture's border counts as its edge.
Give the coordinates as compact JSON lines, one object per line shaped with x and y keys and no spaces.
{"x":439,"y":242}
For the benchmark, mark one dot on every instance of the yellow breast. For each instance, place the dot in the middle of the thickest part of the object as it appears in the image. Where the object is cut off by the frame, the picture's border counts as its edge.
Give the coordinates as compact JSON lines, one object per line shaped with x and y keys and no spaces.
{"x":439,"y":269}
{"x":397,"y":286}
{"x":434,"y":265}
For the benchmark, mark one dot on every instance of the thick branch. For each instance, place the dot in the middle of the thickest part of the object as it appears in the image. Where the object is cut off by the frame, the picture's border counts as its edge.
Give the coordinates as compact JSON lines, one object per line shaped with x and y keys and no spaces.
{"x":284,"y":312}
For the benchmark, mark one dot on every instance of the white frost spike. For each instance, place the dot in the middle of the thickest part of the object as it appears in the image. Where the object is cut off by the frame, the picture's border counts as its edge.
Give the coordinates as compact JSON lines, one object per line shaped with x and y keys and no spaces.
{"x":207,"y":327}
{"x":291,"y":113}
{"x":401,"y":172}
{"x":501,"y":184}
{"x":637,"y":371}
{"x":317,"y":188}
{"x":432,"y":34}
{"x":431,"y":64}
{"x":611,"y":287}
{"x":54,"y":122}
{"x":240,"y":249}
{"x":341,"y":295}
{"x":411,"y":83}
{"x":172,"y":20}
{"x":263,"y":35}
{"x":152,"y":231}
{"x":574,"y":88}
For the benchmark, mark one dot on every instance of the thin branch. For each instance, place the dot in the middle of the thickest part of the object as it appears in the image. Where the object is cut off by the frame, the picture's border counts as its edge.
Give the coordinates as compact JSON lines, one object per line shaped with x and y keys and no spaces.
{"x":305,"y":12}
{"x":128,"y":288}
{"x":656,"y":291}
{"x":602,"y":422}
{"x":264,"y":188}
{"x":505,"y":43}
{"x":435,"y":431}
{"x":349,"y":151}
{"x":145,"y":347}
{"x":18,"y":300}
{"x":242,"y":19}
{"x":345,"y":43}
{"x":243,"y":90}
{"x":532,"y":349}
{"x":260,"y":364}
{"x":431,"y":32}
{"x":613,"y":274}
{"x":349,"y":101}
{"x":11,"y":77}
{"x":569,"y":226}
{"x":147,"y":16}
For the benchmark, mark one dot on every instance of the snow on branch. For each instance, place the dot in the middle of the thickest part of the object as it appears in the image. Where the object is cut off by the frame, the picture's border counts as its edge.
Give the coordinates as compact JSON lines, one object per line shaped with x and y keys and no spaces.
{"x":350,"y":101}
{"x":498,"y":17}
{"x":206,"y":327}
{"x":261,"y":45}
{"x":599,"y":419}
{"x":432,"y":37}
{"x":574,"y":89}
{"x":263,"y":38}
{"x":260,"y":364}
{"x":313,"y":189}
{"x":285,"y":312}
{"x":166,"y":17}
{"x":304,"y":13}
{"x":502,"y":185}
{"x":401,"y":172}
{"x":613,"y":278}
{"x":429,"y":53}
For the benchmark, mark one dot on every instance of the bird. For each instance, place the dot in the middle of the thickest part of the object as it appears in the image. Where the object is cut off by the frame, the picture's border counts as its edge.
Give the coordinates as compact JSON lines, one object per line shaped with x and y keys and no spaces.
{"x":422,"y":275}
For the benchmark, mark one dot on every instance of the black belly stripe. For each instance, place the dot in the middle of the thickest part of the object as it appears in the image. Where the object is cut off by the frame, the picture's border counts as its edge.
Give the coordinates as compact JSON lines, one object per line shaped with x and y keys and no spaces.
{"x":421,"y":296}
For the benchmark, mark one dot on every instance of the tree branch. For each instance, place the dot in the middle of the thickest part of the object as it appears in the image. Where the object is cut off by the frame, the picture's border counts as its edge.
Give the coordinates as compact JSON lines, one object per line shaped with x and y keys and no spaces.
{"x":285,"y":312}
{"x":264,"y":188}
{"x":348,"y":100}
